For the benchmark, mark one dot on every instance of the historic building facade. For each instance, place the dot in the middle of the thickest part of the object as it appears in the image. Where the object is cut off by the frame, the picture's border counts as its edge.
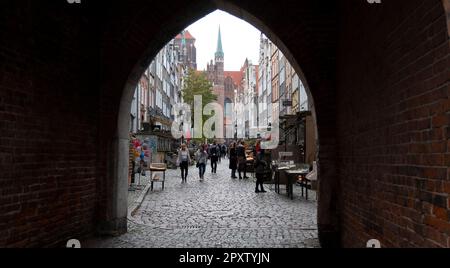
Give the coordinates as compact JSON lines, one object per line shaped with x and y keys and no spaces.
{"x":225,"y":85}
{"x":159,"y":90}
{"x":186,"y":51}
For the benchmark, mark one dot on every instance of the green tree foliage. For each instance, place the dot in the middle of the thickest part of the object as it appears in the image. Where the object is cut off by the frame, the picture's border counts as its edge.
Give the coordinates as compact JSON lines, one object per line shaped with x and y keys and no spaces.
{"x":196,"y":83}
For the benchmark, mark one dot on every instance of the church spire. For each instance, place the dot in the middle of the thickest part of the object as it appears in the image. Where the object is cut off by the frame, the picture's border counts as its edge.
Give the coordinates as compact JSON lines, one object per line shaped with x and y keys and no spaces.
{"x":219,"y":51}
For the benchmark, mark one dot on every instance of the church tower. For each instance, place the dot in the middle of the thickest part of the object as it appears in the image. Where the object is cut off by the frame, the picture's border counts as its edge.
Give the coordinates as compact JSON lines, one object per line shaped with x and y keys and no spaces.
{"x":219,"y":61}
{"x":219,"y":77}
{"x":216,"y":75}
{"x":219,"y":80}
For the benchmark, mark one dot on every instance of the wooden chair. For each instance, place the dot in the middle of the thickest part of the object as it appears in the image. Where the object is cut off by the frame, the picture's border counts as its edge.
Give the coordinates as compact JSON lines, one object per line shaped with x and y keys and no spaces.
{"x":157,"y":167}
{"x":312,"y":176}
{"x":309,"y":181}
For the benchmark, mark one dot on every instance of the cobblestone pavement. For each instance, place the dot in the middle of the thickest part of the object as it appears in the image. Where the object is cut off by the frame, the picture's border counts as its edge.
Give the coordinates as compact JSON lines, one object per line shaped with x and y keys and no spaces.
{"x":218,"y":212}
{"x":137,"y":188}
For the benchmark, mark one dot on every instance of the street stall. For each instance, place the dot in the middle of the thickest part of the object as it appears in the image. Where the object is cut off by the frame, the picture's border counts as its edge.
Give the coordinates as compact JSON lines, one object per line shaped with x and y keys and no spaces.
{"x":292,"y":166}
{"x":250,"y":162}
{"x":140,"y":157}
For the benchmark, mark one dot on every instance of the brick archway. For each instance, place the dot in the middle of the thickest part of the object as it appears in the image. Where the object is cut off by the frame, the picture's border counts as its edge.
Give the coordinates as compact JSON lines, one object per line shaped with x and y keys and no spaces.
{"x":378,"y":74}
{"x":317,"y":43}
{"x":327,"y":212}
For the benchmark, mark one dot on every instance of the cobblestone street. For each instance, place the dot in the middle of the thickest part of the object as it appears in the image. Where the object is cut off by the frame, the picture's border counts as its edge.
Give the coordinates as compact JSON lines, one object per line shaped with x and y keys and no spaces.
{"x":218,"y":212}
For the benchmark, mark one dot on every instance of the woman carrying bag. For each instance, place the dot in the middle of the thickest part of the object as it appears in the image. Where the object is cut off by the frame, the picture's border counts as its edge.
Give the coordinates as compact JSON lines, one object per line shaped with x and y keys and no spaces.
{"x":183,"y":161}
{"x":201,"y":157}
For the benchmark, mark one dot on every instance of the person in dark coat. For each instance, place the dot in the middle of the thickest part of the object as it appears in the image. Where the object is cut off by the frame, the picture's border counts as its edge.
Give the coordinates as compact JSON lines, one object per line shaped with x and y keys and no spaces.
{"x":241,"y":160}
{"x":214,"y":152}
{"x":260,"y":170}
{"x":223,"y":150}
{"x":233,"y":160}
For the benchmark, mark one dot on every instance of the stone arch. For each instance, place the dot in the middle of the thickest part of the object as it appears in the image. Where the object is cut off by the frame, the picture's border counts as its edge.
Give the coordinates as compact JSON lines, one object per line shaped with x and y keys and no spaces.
{"x":321,"y":79}
{"x":378,"y":74}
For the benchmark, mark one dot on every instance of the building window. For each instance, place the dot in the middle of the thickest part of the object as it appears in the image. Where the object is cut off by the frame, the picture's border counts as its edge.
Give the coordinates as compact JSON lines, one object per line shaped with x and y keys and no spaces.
{"x":158,"y":99}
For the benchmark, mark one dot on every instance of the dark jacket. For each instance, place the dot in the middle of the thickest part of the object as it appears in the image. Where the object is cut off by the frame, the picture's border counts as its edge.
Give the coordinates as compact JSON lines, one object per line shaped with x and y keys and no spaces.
{"x":241,"y":157}
{"x":233,"y":159}
{"x":214,"y":152}
{"x":261,"y":166}
{"x":240,"y":151}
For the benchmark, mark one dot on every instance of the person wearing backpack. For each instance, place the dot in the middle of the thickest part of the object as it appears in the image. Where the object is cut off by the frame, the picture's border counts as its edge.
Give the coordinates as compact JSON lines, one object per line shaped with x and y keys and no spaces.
{"x":214,"y":155}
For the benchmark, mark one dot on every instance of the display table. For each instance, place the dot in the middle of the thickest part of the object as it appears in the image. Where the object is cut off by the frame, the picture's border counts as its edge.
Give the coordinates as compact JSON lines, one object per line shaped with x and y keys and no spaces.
{"x":288,"y":175}
{"x":281,"y":177}
{"x":250,"y":165}
{"x":293,"y":175}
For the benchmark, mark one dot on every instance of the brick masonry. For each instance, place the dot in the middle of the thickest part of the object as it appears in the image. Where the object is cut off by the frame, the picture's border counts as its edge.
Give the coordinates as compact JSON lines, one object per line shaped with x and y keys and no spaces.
{"x":378,"y":75}
{"x":393,"y":122}
{"x":48,"y":124}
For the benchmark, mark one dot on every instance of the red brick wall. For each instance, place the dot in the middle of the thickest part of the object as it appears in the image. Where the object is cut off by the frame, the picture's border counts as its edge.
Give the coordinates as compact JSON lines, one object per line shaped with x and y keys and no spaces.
{"x":393,"y":123}
{"x":382,"y":106}
{"x":48,"y":124}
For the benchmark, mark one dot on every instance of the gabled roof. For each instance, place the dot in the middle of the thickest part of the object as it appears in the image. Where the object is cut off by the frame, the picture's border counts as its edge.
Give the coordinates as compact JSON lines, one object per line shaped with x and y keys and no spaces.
{"x":187,"y":35}
{"x":235,"y":75}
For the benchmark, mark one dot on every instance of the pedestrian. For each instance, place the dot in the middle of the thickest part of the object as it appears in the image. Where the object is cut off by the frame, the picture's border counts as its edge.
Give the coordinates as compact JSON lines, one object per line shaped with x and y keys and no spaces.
{"x":214,"y":155}
{"x":233,"y":160}
{"x":224,"y":150}
{"x":183,"y":161}
{"x":142,"y":163}
{"x":241,"y":159}
{"x":219,"y":153}
{"x":260,"y":170}
{"x":201,"y":156}
{"x":258,"y":147}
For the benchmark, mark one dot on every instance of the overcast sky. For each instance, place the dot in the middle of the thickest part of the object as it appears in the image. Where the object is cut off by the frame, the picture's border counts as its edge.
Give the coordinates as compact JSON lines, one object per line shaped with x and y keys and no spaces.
{"x":240,"y":40}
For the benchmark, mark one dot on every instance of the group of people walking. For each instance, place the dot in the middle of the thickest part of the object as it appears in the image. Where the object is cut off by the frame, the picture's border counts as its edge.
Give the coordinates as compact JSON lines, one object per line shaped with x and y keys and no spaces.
{"x":215,"y":152}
